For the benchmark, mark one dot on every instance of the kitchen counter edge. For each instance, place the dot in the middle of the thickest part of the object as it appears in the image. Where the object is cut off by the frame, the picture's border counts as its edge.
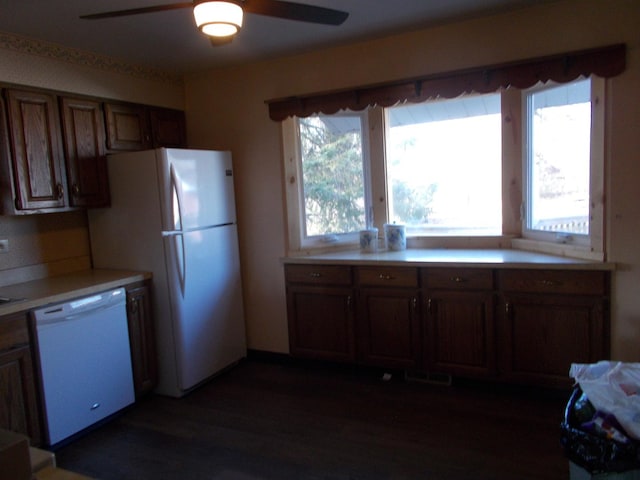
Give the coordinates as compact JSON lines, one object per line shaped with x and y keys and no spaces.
{"x":50,"y":290}
{"x":450,"y":258}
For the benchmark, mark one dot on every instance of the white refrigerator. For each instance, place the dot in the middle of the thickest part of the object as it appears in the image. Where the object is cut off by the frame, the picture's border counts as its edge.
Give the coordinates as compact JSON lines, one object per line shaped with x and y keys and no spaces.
{"x":173,"y":214}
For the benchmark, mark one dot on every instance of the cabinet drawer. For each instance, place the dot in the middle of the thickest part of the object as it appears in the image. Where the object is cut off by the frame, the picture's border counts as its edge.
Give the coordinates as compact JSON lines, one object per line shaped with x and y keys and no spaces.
{"x":457,"y":278}
{"x":318,"y":274}
{"x":388,"y":276}
{"x":13,"y":331}
{"x":554,"y":281}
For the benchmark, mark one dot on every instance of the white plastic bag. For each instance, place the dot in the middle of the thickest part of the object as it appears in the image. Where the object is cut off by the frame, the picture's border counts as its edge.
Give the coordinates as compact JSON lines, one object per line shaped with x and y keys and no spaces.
{"x":612,"y":387}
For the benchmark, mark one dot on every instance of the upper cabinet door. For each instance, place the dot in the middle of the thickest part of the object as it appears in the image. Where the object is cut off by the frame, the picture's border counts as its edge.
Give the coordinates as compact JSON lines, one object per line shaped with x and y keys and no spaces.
{"x":168,"y":127}
{"x":127,"y":127}
{"x":84,"y":143}
{"x":38,"y":162}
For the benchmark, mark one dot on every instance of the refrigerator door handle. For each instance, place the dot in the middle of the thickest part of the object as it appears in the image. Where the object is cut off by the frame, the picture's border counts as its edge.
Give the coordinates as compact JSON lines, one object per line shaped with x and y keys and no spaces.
{"x":177,"y":244}
{"x":176,"y":194}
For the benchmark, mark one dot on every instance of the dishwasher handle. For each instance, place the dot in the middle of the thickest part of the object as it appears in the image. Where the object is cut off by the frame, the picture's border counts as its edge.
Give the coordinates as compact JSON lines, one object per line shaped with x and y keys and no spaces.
{"x":79,"y":307}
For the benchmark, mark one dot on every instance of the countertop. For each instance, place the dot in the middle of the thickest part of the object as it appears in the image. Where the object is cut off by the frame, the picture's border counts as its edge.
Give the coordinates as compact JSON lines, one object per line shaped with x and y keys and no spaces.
{"x":37,"y":293}
{"x":439,"y":257}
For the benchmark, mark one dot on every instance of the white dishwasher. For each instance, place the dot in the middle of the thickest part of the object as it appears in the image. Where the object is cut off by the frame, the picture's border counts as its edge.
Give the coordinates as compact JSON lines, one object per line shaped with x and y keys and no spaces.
{"x":84,"y":360}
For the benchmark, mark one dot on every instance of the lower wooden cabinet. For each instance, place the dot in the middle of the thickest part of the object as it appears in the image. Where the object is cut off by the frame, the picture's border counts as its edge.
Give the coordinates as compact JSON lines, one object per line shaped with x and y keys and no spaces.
{"x":523,"y":326}
{"x":389,"y":327}
{"x":322,"y":323}
{"x":460,"y":333}
{"x":18,"y":402}
{"x":549,"y":320}
{"x":141,"y":338}
{"x":320,"y":306}
{"x":388,"y":316}
{"x":459,"y":325}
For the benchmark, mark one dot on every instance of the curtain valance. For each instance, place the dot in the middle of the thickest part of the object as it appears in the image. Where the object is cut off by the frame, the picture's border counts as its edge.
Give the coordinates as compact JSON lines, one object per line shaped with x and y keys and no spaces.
{"x":604,"y":62}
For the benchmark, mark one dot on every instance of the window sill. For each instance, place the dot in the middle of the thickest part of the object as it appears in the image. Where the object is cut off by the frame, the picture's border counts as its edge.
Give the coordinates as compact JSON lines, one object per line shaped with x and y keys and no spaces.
{"x":559,"y":249}
{"x":504,"y":242}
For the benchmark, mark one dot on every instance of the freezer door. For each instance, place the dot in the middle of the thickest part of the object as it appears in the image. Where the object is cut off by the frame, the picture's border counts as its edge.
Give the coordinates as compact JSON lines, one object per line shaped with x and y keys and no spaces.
{"x":206,"y":302}
{"x":197,"y":188}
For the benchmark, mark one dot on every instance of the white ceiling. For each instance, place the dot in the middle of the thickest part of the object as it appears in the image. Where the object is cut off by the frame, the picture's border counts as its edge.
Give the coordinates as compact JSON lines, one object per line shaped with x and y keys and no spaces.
{"x":170,"y":40}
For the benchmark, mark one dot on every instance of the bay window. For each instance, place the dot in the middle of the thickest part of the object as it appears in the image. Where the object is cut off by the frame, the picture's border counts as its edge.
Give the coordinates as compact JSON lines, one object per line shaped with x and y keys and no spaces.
{"x":519,"y":163}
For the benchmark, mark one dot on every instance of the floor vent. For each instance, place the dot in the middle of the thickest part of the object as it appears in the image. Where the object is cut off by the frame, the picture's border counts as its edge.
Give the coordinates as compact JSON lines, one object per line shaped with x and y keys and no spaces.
{"x":442,"y":379}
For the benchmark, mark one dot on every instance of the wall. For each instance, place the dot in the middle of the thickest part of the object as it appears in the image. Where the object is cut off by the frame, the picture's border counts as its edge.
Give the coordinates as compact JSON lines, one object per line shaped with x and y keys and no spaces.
{"x":53,"y":244}
{"x":225,"y":109}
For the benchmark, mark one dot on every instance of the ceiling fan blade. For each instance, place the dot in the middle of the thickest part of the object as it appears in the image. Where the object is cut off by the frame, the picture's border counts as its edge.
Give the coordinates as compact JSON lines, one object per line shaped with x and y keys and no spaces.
{"x":295,"y":11}
{"x":136,"y":11}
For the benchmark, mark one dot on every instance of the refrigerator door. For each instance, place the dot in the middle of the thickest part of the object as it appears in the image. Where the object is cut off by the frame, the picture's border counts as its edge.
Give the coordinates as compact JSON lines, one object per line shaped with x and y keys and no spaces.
{"x":206,"y":301}
{"x":197,"y":188}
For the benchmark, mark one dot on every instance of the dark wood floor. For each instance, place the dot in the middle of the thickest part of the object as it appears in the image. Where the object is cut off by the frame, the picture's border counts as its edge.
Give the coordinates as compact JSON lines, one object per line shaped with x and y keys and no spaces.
{"x":273,"y":421}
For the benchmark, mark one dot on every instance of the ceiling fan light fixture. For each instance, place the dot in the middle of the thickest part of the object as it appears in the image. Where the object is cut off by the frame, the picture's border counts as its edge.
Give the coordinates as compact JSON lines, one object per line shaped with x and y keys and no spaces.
{"x":218,"y":18}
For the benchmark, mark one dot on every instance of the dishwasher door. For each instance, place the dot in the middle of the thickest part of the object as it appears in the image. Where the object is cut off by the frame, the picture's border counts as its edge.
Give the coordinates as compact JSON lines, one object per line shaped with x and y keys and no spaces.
{"x":85,"y":362}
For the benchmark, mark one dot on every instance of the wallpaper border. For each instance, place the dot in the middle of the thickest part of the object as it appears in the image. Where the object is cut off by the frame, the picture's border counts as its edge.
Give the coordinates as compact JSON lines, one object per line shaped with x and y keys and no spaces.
{"x":31,"y":46}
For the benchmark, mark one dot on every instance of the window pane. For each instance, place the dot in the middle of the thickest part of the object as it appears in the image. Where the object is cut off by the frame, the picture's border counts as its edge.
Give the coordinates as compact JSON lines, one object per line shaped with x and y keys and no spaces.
{"x":559,"y":158}
{"x":444,"y":166}
{"x":333,"y":174}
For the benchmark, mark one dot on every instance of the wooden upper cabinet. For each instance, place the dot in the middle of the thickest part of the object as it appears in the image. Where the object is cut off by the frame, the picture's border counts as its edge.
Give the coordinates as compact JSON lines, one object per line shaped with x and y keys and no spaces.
{"x":167,"y":127}
{"x":127,"y":127}
{"x":84,"y":144}
{"x":36,"y":154}
{"x":139,"y":127}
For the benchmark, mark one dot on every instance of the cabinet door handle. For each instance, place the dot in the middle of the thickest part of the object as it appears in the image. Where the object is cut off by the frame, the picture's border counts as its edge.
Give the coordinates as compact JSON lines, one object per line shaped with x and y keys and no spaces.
{"x":349,"y":302}
{"x":75,"y":189}
{"x":386,"y":277}
{"x":414,"y":304}
{"x":133,"y":307}
{"x":60,"y":190}
{"x":507,"y":308}
{"x":429,"y":305}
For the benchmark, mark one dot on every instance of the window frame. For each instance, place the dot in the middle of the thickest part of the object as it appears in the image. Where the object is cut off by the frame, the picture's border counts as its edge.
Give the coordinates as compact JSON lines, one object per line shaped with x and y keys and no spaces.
{"x":590,"y":245}
{"x":513,"y":185}
{"x":297,"y":237}
{"x":449,"y":231}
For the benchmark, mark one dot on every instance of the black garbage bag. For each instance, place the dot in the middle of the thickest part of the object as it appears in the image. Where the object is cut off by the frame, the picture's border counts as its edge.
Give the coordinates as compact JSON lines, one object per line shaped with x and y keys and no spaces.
{"x":594,"y":453}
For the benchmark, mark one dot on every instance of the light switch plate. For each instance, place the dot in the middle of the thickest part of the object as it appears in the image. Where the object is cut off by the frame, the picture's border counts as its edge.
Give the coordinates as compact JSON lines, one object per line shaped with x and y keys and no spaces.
{"x":4,"y":245}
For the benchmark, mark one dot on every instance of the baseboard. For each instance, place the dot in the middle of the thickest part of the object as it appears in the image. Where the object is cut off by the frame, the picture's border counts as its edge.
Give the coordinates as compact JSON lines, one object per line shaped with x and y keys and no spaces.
{"x":270,"y":357}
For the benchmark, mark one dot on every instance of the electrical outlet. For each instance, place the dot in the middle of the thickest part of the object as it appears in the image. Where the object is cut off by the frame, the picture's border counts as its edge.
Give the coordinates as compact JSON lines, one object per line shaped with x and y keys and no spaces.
{"x":4,"y":245}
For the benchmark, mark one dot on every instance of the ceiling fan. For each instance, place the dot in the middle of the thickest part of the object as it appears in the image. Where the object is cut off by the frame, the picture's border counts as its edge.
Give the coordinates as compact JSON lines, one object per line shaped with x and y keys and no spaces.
{"x":222,"y":19}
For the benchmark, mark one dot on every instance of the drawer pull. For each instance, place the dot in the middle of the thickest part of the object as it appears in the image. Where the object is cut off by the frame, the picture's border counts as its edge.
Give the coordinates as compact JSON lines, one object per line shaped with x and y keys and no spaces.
{"x":315,"y":275}
{"x":458,"y":279}
{"x":386,"y":277}
{"x":133,"y":306}
{"x":549,"y":283}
